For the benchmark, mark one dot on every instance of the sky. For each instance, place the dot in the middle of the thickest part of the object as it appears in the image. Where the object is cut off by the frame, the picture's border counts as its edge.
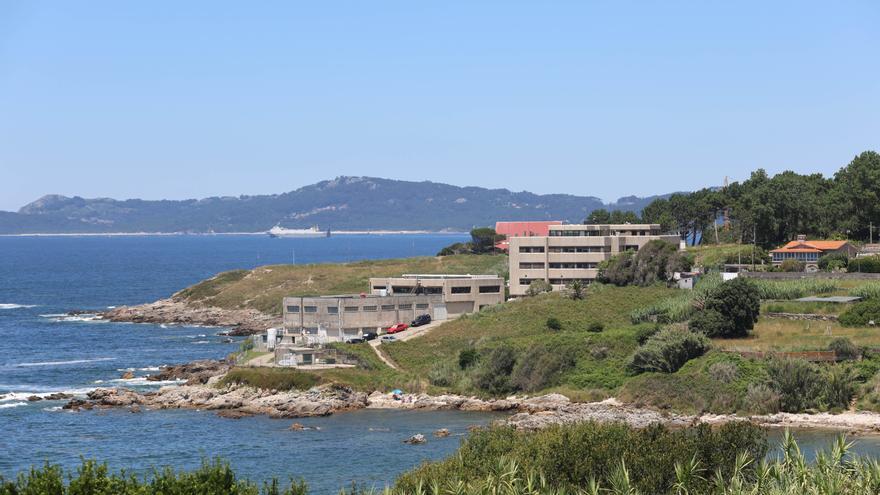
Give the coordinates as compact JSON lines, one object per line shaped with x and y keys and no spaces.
{"x":173,"y":100}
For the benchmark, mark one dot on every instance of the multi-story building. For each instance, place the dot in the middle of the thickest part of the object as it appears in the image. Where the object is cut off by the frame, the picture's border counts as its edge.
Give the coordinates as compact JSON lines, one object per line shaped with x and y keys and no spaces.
{"x":573,"y":252}
{"x":521,"y":229}
{"x":461,"y":293}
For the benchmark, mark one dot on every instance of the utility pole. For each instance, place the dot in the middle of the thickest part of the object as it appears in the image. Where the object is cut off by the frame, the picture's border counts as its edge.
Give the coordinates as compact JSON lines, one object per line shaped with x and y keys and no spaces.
{"x":871,"y":233}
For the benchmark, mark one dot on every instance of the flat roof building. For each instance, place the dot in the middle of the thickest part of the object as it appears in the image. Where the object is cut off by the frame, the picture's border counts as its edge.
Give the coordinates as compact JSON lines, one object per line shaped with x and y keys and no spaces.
{"x":461,"y":293}
{"x":522,"y":229}
{"x":573,"y":252}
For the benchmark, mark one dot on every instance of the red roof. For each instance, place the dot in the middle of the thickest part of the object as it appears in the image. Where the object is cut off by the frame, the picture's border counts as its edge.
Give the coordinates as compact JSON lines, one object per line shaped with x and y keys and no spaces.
{"x":523,"y":229}
{"x":811,"y":246}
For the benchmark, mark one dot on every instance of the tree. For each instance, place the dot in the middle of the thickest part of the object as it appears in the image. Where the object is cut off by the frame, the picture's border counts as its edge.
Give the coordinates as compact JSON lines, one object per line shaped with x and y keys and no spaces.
{"x":483,"y":240}
{"x":599,"y":216}
{"x":738,"y":302}
{"x":656,"y":261}
{"x":576,"y":290}
{"x":858,"y":186}
{"x":538,"y":286}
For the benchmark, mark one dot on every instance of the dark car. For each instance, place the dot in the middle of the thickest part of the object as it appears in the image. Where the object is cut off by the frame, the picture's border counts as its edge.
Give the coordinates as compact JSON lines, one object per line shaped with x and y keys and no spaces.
{"x":369,"y":336}
{"x":421,"y":320}
{"x":356,"y":340}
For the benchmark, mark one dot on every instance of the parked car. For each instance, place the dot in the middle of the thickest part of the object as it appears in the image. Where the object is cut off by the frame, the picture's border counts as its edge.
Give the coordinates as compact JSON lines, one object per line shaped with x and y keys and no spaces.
{"x":369,"y":336}
{"x":397,"y":328}
{"x":421,"y":320}
{"x":356,"y":340}
{"x":388,"y":338}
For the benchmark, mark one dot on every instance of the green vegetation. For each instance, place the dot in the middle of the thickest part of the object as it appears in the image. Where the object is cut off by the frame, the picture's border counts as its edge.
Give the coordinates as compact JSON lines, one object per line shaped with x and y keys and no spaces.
{"x":264,"y":287}
{"x":92,"y":478}
{"x":794,"y":289}
{"x":576,"y":456}
{"x":861,"y":314}
{"x":483,"y":240}
{"x":668,"y":350}
{"x":715,"y":256}
{"x":270,"y":378}
{"x":868,"y":264}
{"x":729,"y":310}
{"x":655,"y":262}
{"x":680,"y":307}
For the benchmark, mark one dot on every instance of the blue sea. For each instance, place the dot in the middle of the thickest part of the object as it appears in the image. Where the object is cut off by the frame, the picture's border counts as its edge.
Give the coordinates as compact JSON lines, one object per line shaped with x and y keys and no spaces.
{"x":43,"y":351}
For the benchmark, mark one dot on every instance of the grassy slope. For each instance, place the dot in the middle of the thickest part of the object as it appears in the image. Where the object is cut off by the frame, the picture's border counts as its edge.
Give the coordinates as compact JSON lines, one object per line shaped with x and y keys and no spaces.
{"x":263,"y":288}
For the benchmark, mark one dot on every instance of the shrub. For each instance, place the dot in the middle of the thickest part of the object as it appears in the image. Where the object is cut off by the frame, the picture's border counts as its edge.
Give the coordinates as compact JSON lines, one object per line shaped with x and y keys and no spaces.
{"x":538,"y":286}
{"x":668,"y":350}
{"x":738,"y":302}
{"x":844,"y":348}
{"x":867,"y":264}
{"x":575,"y":290}
{"x":493,"y":373}
{"x":834,"y":260}
{"x":792,"y":266}
{"x":761,"y":399}
{"x":442,"y":374}
{"x":837,"y":387}
{"x":644,"y":333}
{"x":467,"y":358}
{"x":711,"y":323}
{"x":539,"y":368}
{"x":270,"y":378}
{"x":554,"y":323}
{"x":724,"y":372}
{"x":798,"y":383}
{"x":861,"y":314}
{"x":655,"y":262}
{"x":595,"y":327}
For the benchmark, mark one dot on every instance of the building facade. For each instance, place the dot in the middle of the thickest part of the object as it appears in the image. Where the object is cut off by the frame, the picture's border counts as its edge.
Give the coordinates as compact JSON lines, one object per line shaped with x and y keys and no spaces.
{"x":461,"y":293}
{"x":317,"y":320}
{"x":573,"y":252}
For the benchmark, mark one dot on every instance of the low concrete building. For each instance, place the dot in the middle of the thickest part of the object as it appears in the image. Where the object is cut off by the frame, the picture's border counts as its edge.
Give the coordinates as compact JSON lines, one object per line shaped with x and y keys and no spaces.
{"x":461,"y":293}
{"x":317,"y":320}
{"x":573,"y":252}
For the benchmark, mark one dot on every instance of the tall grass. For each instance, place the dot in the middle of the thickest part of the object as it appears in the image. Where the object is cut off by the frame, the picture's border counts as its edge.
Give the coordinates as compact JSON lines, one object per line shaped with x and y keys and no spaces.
{"x":869,"y":290}
{"x":794,"y":289}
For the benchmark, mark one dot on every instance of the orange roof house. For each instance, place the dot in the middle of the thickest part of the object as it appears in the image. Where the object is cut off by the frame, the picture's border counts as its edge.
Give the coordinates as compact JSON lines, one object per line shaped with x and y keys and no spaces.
{"x":810,"y":251}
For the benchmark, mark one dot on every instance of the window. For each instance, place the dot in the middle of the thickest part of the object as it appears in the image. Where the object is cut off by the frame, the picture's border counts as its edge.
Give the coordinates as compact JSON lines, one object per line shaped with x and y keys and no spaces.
{"x":526,"y":281}
{"x":461,"y":290}
{"x":380,"y":287}
{"x":575,"y":266}
{"x":531,"y":249}
{"x":387,"y":307}
{"x":402,"y":289}
{"x":432,"y":290}
{"x":350,"y":331}
{"x":311,"y":330}
{"x":370,"y":308}
{"x":581,"y":249}
{"x":531,"y":266}
{"x":422,"y":306}
{"x":490,"y":289}
{"x":293,"y":309}
{"x":351,"y":309}
{"x":333,"y":310}
{"x":310,"y":309}
{"x":405,"y":306}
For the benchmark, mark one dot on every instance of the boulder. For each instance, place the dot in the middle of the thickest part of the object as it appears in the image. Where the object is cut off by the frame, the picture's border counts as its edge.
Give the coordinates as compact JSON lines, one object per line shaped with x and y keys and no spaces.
{"x":34,"y":398}
{"x":128,"y":375}
{"x":441,"y":433}
{"x":233,"y":414}
{"x":416,"y":439}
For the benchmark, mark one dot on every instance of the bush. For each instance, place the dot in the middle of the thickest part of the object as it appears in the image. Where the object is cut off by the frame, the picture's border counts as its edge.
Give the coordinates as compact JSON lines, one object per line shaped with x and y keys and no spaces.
{"x":711,"y":323}
{"x":467,"y":358}
{"x":655,"y":262}
{"x":538,"y":286}
{"x":554,"y":323}
{"x":724,"y":372}
{"x":575,"y":290}
{"x":834,"y":260}
{"x":867,"y":264}
{"x":442,"y":374}
{"x":645,"y":333}
{"x":837,"y":388}
{"x":493,"y":374}
{"x":270,"y":378}
{"x":539,"y":368}
{"x":761,"y":399}
{"x":844,"y":348}
{"x":861,"y":314}
{"x":568,"y":456}
{"x":595,"y":327}
{"x":668,"y":350}
{"x":738,"y":302}
{"x":798,"y":383}
{"x":792,"y":266}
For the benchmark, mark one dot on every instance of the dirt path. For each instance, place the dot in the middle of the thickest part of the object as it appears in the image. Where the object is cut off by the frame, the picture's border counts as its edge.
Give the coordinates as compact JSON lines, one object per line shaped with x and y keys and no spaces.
{"x":385,"y":359}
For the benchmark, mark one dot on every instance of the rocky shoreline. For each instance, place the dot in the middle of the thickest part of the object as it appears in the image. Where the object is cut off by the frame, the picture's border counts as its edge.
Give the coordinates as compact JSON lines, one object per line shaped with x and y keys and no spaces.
{"x":169,"y":311}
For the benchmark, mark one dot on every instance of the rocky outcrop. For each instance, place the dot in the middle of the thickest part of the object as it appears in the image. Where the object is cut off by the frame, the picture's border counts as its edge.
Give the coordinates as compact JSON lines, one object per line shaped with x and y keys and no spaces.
{"x":194,"y":373}
{"x":416,"y":439}
{"x":608,"y":411}
{"x":170,"y":311}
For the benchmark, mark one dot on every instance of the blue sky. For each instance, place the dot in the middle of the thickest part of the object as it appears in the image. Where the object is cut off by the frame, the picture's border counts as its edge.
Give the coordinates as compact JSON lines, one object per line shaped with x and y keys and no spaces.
{"x":169,"y":99}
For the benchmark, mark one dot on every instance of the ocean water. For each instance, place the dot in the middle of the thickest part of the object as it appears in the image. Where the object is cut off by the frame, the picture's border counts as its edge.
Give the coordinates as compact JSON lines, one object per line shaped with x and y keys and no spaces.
{"x":42,"y":351}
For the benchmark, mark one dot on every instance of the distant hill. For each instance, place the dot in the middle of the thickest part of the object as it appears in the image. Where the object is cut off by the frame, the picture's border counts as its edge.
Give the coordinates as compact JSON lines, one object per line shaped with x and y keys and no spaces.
{"x":345,"y":203}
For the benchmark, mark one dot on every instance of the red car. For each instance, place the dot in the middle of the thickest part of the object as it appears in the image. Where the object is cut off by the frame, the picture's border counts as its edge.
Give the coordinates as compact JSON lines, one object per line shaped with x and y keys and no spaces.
{"x":397,"y":328}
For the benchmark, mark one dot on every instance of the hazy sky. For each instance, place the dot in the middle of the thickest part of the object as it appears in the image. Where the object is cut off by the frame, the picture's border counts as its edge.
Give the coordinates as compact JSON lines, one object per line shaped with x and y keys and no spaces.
{"x":177,"y":99}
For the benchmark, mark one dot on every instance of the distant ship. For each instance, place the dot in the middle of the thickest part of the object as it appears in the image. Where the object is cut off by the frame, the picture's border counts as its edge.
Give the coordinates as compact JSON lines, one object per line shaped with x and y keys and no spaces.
{"x":279,"y":231}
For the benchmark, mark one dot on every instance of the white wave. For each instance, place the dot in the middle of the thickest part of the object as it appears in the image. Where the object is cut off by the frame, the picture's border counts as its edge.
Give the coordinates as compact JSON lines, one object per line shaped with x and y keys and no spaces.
{"x":14,"y":404}
{"x":163,"y":326}
{"x":16,"y":306}
{"x":62,"y":363}
{"x":23,"y":396}
{"x":111,"y":307}
{"x":148,"y":368}
{"x":201,"y":342}
{"x":53,"y":409}
{"x":85,"y":317}
{"x":53,"y":315}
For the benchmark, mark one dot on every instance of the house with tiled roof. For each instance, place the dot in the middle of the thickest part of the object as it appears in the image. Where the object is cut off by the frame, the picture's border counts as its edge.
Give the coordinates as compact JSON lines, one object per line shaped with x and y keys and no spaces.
{"x":809,"y":252}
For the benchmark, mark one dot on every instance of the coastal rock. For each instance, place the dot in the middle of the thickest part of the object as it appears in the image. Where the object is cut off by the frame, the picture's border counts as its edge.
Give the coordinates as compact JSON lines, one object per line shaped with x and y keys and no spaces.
{"x":233,"y":414}
{"x":441,"y":433}
{"x":173,"y":311}
{"x":34,"y":398}
{"x":416,"y":439}
{"x":128,"y":375}
{"x":59,"y":396}
{"x":196,"y":372}
{"x":114,"y":397}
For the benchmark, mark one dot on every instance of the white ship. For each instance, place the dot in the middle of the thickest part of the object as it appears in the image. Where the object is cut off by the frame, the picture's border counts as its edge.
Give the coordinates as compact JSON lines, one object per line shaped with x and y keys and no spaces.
{"x":279,"y":231}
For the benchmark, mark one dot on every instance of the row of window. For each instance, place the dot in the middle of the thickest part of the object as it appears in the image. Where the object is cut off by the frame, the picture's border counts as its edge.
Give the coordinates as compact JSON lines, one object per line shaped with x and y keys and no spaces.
{"x":599,"y":233}
{"x":796,"y":256}
{"x":557,"y":266}
{"x":354,"y":309}
{"x":557,"y":281}
{"x":581,"y":249}
{"x":531,"y":249}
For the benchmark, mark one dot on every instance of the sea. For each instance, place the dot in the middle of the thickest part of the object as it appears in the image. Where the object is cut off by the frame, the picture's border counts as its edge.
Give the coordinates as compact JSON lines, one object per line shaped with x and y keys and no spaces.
{"x":44,"y":350}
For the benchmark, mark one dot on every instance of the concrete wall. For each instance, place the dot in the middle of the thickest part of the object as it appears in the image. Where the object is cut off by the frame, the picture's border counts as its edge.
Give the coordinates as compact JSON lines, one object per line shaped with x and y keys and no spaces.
{"x":462,"y":295}
{"x":553,"y":262}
